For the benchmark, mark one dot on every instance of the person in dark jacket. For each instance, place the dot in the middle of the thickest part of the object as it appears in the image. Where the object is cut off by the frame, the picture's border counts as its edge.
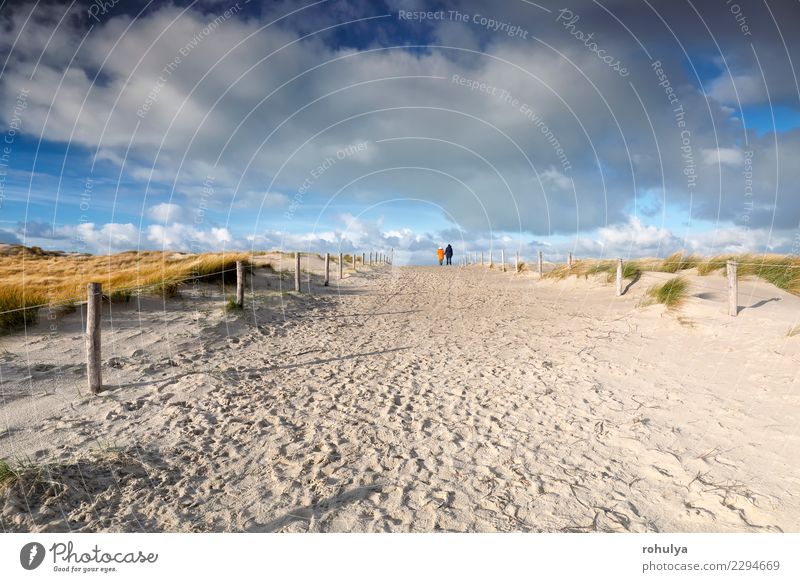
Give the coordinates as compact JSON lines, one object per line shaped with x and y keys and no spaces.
{"x":448,"y":253}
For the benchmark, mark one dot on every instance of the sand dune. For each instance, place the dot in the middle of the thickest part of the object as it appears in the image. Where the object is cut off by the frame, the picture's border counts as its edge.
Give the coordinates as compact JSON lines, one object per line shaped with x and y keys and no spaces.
{"x":414,"y":399}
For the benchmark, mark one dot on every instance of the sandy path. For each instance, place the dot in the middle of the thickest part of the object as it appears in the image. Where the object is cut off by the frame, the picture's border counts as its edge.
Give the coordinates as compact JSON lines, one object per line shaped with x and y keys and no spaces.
{"x":425,"y":399}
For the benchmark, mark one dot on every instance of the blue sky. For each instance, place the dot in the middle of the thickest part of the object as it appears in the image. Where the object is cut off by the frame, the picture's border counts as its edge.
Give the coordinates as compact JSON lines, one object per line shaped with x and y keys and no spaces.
{"x":220,"y":125}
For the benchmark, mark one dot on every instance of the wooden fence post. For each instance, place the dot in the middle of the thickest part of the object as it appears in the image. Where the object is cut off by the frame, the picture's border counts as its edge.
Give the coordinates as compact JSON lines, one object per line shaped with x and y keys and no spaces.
{"x":341,"y":266}
{"x":327,"y":269}
{"x":503,"y":259}
{"x":541,"y":264}
{"x":239,"y":284}
{"x":733,"y":289}
{"x":619,"y":277}
{"x":490,"y":259}
{"x":481,"y":258}
{"x":363,"y":259}
{"x":93,"y":313}
{"x":569,"y":261}
{"x":297,"y":272}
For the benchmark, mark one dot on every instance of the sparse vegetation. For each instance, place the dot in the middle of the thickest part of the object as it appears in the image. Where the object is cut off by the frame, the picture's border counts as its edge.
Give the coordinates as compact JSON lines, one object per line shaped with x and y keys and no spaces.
{"x":120,"y":296}
{"x":676,"y":262}
{"x":793,"y":331}
{"x":16,"y":306}
{"x":780,"y":270}
{"x":672,"y":293}
{"x":521,"y":267}
{"x":231,"y":304}
{"x":7,"y":474}
{"x":713,"y":264}
{"x":26,"y":486}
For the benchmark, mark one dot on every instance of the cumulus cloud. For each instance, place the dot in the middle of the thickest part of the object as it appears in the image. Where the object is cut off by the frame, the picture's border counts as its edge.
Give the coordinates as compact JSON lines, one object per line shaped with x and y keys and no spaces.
{"x":165,"y":212}
{"x":186,"y":237}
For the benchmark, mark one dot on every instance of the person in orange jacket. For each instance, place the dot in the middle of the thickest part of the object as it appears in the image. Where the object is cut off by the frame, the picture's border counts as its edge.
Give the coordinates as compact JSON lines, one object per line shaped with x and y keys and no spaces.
{"x":440,"y":254}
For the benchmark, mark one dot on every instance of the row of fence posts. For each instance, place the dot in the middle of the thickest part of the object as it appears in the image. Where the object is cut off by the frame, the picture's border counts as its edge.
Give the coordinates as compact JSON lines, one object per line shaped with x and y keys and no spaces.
{"x":731,"y":266}
{"x":94,"y":301}
{"x":95,"y":296}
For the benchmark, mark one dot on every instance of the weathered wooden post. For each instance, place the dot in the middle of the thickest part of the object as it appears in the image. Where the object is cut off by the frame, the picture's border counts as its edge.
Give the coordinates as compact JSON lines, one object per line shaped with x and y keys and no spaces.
{"x":93,"y":313}
{"x":503,"y":259}
{"x":341,"y":266}
{"x":516,"y":262}
{"x":491,"y":262}
{"x":297,"y":272}
{"x":239,"y":284}
{"x":327,"y":269}
{"x":541,"y":264}
{"x":619,"y":277}
{"x":481,"y":258}
{"x":569,"y":261}
{"x":363,"y":259}
{"x":733,"y":289}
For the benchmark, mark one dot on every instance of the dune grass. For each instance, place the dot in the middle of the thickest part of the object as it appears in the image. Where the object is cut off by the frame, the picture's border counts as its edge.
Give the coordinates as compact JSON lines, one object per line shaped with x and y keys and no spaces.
{"x":677,"y":262}
{"x":7,"y":474}
{"x":589,"y":267}
{"x":671,"y":293}
{"x":781,"y":270}
{"x":16,"y":306}
{"x":33,"y":278}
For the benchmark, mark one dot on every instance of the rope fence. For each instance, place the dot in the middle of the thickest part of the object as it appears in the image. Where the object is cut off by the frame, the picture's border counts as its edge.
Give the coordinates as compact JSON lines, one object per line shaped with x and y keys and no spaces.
{"x":95,"y":295}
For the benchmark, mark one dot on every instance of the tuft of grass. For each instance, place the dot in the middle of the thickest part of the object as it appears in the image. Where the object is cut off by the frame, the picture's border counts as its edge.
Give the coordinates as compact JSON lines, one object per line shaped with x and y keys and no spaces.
{"x":18,"y":304}
{"x":7,"y":474}
{"x":672,"y":293}
{"x":231,"y":304}
{"x":26,"y":486}
{"x":120,"y":296}
{"x":521,"y":267}
{"x":713,"y":264}
{"x":793,"y":331}
{"x":678,"y":261}
{"x":631,"y":270}
{"x":165,"y":289}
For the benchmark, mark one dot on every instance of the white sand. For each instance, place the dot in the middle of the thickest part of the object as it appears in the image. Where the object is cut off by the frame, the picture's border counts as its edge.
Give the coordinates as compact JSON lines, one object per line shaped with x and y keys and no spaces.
{"x":416,"y":399}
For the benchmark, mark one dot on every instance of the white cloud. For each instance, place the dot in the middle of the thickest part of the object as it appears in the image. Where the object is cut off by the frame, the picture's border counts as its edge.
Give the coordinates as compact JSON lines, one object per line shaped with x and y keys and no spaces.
{"x":729,"y":156}
{"x":556,"y":179}
{"x":178,"y":236}
{"x":732,"y":90}
{"x":165,"y":212}
{"x":632,"y":238}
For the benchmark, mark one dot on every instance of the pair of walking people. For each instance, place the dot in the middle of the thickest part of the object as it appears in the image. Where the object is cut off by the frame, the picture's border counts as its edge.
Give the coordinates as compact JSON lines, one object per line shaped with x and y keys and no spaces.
{"x":445,"y":253}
